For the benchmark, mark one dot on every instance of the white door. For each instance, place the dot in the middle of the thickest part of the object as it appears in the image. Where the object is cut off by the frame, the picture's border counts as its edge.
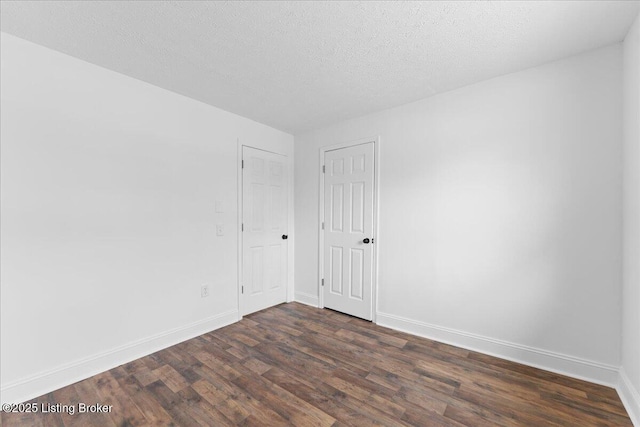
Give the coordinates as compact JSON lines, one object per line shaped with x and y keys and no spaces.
{"x":348,"y":230}
{"x":264,"y":229}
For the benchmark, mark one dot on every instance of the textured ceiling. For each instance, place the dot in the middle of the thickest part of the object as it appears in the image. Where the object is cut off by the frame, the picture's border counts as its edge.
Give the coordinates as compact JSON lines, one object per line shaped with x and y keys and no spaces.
{"x":300,"y":65}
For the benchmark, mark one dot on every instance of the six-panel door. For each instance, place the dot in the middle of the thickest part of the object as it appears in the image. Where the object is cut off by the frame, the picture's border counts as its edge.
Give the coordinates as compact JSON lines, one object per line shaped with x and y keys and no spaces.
{"x":348,"y":230}
{"x":264,"y":208}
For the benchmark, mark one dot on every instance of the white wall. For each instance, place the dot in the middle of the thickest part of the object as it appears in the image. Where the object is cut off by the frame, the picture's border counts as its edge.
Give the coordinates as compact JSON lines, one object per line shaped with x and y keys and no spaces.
{"x":108,"y":217}
{"x":630,"y":373}
{"x":500,"y":214}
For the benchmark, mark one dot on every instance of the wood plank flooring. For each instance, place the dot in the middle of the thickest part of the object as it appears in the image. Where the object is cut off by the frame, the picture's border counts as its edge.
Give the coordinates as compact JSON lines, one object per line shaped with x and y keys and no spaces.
{"x":301,"y":366}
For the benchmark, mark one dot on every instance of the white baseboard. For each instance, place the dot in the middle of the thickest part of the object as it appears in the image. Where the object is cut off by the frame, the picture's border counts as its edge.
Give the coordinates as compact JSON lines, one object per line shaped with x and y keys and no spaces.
{"x":587,"y":370}
{"x":45,"y":382}
{"x":630,"y":397}
{"x":307,"y":299}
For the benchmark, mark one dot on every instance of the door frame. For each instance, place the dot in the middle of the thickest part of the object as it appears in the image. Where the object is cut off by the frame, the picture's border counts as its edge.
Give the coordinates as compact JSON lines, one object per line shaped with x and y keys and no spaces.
{"x":290,"y":231}
{"x":376,"y":197}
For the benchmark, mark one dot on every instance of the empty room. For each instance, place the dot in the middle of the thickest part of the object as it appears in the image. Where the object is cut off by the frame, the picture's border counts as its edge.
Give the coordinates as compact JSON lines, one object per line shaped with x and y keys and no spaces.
{"x":320,"y":213}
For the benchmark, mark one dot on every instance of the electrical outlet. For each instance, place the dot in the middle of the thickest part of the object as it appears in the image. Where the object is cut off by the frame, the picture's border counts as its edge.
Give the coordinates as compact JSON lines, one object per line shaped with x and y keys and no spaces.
{"x":204,"y":291}
{"x":219,"y":230}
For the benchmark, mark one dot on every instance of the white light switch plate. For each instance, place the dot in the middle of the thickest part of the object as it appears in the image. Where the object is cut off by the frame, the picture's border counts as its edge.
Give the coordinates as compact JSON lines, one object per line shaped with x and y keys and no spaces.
{"x":219,"y":206}
{"x":219,"y":230}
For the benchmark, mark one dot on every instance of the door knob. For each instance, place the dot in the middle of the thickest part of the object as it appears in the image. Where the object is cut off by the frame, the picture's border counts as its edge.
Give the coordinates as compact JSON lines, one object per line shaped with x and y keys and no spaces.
{"x":366,"y":240}
{"x":285,"y":237}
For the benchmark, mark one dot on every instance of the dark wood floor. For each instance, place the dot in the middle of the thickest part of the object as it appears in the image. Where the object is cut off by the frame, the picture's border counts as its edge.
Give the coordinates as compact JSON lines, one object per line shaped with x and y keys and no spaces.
{"x":297,"y":365}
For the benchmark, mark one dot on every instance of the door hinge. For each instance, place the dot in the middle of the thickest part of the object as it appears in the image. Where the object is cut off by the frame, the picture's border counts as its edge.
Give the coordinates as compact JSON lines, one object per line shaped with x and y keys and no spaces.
{"x":243,"y":289}
{"x":322,"y":282}
{"x":323,"y":225}
{"x":242,"y":227}
{"x":242,"y":164}
{"x":322,"y":168}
